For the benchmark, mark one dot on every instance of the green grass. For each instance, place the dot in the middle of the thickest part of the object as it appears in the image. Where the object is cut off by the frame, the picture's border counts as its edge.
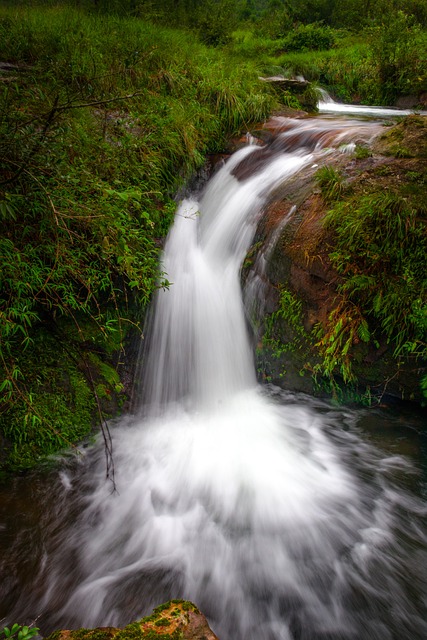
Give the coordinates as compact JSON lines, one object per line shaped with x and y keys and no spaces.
{"x":101,"y":121}
{"x":331,"y":183}
{"x":379,"y":251}
{"x":374,"y":66}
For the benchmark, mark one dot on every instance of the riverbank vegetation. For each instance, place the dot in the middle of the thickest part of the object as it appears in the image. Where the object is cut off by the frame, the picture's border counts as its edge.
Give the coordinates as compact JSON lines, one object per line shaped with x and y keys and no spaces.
{"x":102,"y":119}
{"x":378,"y":248}
{"x":349,"y":275}
{"x":106,"y":109}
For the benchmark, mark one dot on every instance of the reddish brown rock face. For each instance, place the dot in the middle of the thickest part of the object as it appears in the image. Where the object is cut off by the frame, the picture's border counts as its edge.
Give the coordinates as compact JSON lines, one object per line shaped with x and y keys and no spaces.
{"x":297,"y":245}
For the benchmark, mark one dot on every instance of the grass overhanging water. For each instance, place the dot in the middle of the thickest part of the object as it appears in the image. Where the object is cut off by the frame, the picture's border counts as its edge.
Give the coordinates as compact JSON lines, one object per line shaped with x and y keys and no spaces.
{"x":102,"y":119}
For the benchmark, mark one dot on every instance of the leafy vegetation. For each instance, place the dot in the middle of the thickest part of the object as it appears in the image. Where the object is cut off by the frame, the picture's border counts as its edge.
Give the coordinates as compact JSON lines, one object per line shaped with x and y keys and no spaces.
{"x":19,"y":632}
{"x":97,"y":133}
{"x":290,"y":315}
{"x":331,"y":183}
{"x":379,"y":250}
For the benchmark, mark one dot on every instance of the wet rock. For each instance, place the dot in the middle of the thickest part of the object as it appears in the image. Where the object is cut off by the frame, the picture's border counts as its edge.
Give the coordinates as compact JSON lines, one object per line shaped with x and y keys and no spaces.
{"x":299,"y":87}
{"x":412,"y":101}
{"x":175,"y":620}
{"x":408,"y":139}
{"x":287,"y":83}
{"x":299,"y":262}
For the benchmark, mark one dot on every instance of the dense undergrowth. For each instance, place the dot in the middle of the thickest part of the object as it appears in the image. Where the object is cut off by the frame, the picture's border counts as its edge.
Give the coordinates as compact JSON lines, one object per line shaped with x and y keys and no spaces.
{"x":376,"y":66}
{"x":102,"y":118}
{"x":379,"y":250}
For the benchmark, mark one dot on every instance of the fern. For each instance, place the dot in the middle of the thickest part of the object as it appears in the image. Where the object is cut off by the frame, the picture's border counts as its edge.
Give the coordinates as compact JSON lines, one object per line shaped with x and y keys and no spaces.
{"x":363,"y":331}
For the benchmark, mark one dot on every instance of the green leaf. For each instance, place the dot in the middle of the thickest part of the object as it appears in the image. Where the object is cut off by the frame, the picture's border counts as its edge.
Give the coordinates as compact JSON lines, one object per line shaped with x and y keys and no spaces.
{"x":6,"y":211}
{"x":363,"y":331}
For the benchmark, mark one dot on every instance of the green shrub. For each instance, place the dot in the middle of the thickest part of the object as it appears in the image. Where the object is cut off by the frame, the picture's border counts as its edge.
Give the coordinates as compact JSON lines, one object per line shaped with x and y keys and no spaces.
{"x":309,"y":37}
{"x":214,"y":21}
{"x":276,"y":21}
{"x":399,"y":53}
{"x":20,"y":632}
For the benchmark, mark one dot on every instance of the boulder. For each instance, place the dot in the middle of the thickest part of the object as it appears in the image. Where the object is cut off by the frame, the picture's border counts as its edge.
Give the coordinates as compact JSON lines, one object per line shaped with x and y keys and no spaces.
{"x":174,"y":620}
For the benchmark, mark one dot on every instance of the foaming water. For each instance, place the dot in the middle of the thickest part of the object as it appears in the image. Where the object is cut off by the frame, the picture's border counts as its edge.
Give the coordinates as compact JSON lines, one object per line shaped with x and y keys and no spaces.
{"x":327,"y":105}
{"x":265,"y":508}
{"x":269,"y":512}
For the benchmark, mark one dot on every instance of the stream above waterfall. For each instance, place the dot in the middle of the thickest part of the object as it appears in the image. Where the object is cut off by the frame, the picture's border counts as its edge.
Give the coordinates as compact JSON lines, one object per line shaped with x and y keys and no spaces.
{"x":281,"y":516}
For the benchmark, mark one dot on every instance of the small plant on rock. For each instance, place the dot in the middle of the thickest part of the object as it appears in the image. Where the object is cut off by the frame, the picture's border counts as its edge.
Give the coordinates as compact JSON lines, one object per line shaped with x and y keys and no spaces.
{"x":19,"y":632}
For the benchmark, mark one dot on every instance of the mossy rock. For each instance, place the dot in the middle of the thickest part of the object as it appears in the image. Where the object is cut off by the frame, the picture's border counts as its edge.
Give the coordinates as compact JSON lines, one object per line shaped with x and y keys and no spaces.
{"x":407,"y":139}
{"x":302,"y":263}
{"x":174,"y":620}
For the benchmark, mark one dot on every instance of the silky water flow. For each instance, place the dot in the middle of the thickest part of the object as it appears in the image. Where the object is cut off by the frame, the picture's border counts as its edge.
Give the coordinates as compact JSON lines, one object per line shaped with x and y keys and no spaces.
{"x":265,"y":508}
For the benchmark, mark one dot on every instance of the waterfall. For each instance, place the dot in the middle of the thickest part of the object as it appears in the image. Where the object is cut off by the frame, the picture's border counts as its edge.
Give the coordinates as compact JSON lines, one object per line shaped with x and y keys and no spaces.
{"x":263,"y":507}
{"x":199,"y":352}
{"x":327,"y":105}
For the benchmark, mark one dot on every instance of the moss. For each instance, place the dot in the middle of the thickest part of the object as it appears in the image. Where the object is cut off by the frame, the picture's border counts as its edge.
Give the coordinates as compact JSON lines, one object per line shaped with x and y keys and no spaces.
{"x":153,"y":635}
{"x":189,"y":606}
{"x":186,"y":605}
{"x":251,"y":256}
{"x":162,"y":607}
{"x":399,"y":151}
{"x":163,"y":622}
{"x":104,"y":633}
{"x":132,"y":631}
{"x":108,"y":373}
{"x":362,"y":152}
{"x":93,"y":634}
{"x":151,"y":627}
{"x":408,"y":139}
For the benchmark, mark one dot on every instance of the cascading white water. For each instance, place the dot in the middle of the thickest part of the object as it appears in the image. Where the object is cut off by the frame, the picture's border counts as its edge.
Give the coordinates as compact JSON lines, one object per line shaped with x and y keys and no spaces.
{"x":328,"y":105}
{"x":258,"y":506}
{"x":199,"y":349}
{"x":199,"y":353}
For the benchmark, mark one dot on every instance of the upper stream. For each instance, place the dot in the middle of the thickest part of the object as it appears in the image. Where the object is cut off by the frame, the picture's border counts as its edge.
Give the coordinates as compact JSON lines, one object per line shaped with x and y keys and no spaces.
{"x":280,"y":516}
